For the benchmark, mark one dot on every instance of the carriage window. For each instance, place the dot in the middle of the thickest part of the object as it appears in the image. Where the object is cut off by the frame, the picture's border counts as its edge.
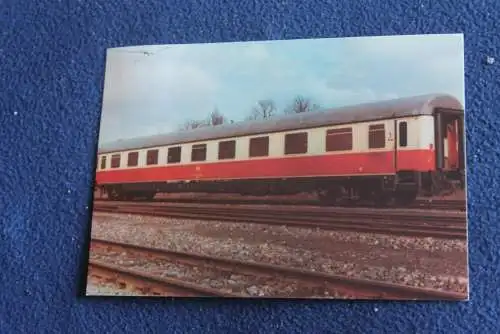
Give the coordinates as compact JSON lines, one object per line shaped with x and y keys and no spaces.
{"x":259,"y":147}
{"x":115,"y":161}
{"x":227,"y":149}
{"x":296,"y":143}
{"x":103,"y":162}
{"x":174,"y":155}
{"x":152,"y":157}
{"x":403,"y":134}
{"x":199,"y":152}
{"x":339,"y":139}
{"x":133,"y":159}
{"x":376,"y":136}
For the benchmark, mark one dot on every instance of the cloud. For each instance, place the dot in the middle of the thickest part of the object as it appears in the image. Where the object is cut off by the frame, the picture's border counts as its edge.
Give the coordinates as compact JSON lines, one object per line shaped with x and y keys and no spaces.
{"x":410,"y":65}
{"x":146,"y":95}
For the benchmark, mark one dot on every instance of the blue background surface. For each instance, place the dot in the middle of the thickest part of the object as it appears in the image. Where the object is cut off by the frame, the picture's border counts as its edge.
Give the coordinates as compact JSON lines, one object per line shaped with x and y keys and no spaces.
{"x":52,"y":57}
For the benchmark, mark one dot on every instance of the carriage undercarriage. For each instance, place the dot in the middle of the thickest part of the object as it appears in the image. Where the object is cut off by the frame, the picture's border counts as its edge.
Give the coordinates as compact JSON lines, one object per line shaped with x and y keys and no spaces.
{"x":400,"y":189}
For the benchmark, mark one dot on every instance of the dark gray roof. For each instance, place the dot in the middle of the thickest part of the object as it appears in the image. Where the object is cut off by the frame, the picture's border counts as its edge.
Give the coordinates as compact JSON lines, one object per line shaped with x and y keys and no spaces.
{"x":403,"y":107}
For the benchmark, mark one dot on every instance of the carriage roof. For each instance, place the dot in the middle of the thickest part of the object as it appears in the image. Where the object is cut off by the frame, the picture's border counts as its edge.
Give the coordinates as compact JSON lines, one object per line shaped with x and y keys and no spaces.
{"x":403,"y":107}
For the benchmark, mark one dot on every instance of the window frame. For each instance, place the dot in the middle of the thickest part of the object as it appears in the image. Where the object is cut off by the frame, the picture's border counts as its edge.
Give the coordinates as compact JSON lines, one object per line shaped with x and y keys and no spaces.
{"x":180,"y":154}
{"x":253,"y":140}
{"x":103,"y":162}
{"x":156,"y":158}
{"x":115,"y":157}
{"x":136,"y":159}
{"x":337,"y":132}
{"x":290,"y":137}
{"x":400,"y":142}
{"x":199,"y":147}
{"x":379,"y":128}
{"x":232,"y":156}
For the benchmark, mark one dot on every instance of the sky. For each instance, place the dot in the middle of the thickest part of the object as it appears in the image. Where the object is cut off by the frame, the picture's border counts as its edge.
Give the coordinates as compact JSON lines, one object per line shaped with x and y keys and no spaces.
{"x":157,"y":92}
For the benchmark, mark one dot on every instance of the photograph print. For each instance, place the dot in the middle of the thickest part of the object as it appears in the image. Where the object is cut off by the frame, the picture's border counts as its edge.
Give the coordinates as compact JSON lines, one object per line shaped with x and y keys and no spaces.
{"x":315,"y":168}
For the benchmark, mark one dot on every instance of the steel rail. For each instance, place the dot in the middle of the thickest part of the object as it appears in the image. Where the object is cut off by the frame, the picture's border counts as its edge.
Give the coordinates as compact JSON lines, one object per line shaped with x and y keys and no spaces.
{"x":352,"y":287}
{"x":393,"y":224}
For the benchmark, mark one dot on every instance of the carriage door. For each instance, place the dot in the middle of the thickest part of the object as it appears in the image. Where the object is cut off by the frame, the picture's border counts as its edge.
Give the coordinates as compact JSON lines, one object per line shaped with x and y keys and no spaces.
{"x":392,"y":143}
{"x":451,"y":145}
{"x":450,"y":149}
{"x":400,"y":143}
{"x":450,"y":142}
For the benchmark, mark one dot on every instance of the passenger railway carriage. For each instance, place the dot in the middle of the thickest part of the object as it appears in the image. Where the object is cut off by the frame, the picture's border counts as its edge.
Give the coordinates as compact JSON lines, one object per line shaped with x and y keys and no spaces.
{"x":378,"y":151}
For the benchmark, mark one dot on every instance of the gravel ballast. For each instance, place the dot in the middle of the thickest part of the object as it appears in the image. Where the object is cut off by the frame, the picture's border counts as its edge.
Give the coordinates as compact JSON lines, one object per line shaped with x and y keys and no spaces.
{"x":108,"y":289}
{"x":216,"y":278}
{"x":421,"y":262}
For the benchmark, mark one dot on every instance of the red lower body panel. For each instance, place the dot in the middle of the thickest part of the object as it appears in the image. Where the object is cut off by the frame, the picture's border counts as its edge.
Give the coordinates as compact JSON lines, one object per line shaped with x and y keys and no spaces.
{"x":304,"y":166}
{"x":416,"y":160}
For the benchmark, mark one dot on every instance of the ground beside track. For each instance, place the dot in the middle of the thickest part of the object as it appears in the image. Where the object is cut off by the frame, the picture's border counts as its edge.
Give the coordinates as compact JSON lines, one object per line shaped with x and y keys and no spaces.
{"x":421,"y":262}
{"x":286,"y":207}
{"x":457,"y":195}
{"x":95,"y":288}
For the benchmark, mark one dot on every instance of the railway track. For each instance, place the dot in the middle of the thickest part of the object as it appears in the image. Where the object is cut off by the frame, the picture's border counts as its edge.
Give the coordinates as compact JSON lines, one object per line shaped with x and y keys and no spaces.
{"x":308,"y":283}
{"x":148,"y":284}
{"x":368,"y":221}
{"x":447,"y":205}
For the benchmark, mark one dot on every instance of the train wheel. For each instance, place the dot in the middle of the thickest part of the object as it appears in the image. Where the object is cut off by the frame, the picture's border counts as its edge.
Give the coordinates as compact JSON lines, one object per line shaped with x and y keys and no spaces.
{"x":115,"y":195}
{"x":327,"y":197}
{"x":405,"y":198}
{"x":366,"y":195}
{"x":149,"y":196}
{"x":128,"y":196}
{"x":383,"y":200}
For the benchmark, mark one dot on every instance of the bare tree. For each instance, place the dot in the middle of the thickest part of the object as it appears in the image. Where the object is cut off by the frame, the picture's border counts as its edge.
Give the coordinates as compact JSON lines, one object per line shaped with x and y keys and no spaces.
{"x":216,"y":118}
{"x":213,"y":119}
{"x":193,"y":124}
{"x":265,"y":109}
{"x":300,"y":105}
